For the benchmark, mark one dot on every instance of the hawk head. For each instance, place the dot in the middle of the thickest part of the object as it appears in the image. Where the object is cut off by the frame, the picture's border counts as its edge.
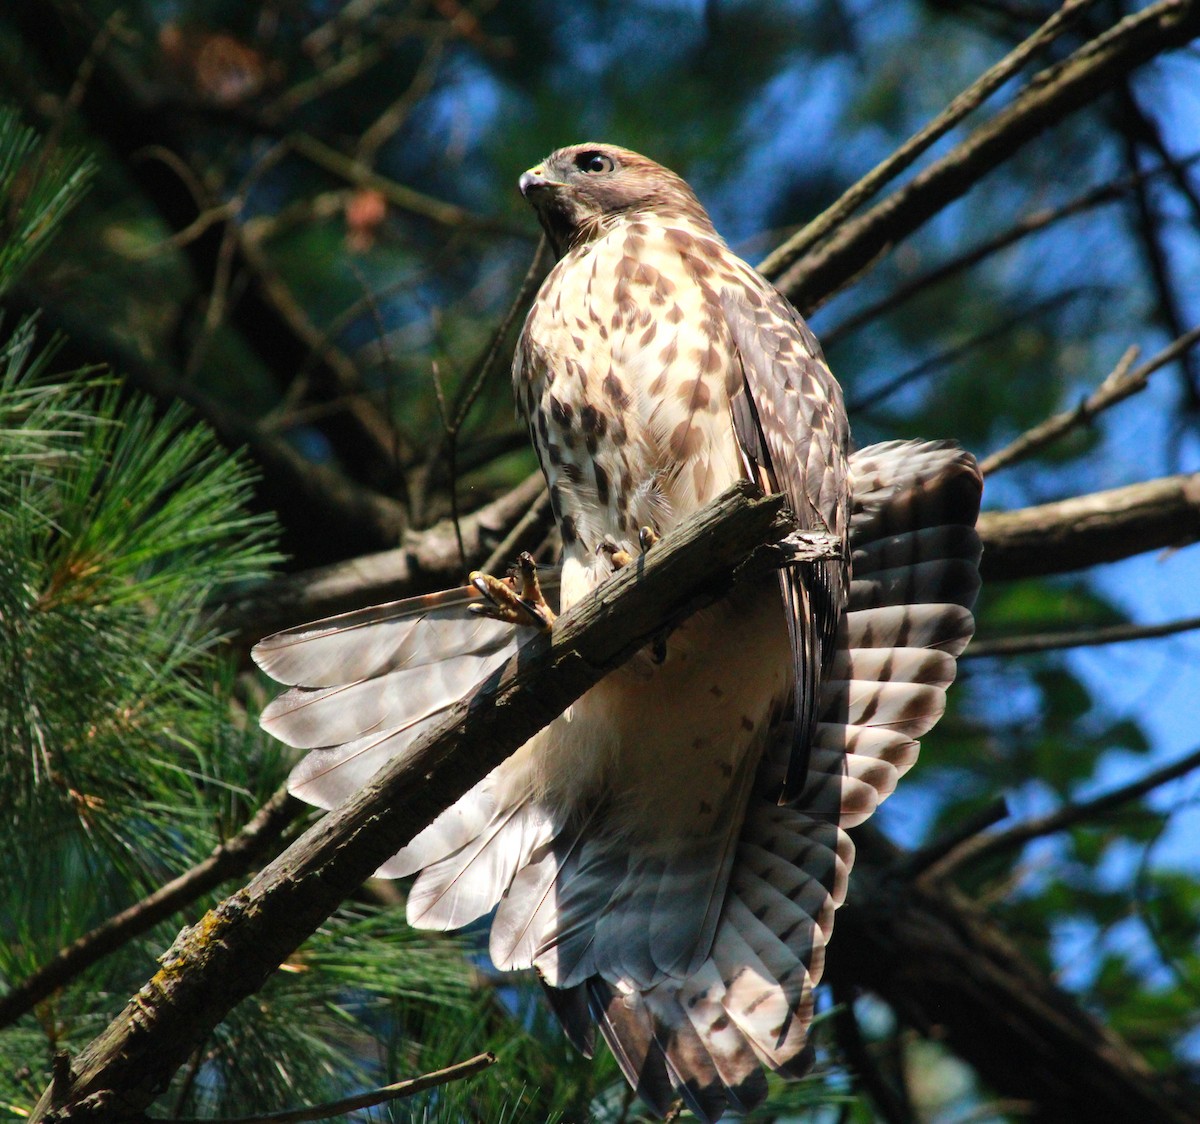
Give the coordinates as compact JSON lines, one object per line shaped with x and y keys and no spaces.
{"x":579,"y":191}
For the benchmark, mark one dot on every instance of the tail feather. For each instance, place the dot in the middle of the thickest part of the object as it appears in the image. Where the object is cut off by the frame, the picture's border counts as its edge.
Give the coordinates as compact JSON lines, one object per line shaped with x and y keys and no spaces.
{"x":629,"y":1032}
{"x":308,"y":718}
{"x":365,"y":643}
{"x":690,"y":1067}
{"x":737,"y":1064}
{"x":467,"y":884}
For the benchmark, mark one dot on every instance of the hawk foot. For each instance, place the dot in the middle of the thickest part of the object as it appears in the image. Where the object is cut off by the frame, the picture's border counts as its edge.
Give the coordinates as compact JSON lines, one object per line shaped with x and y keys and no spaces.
{"x":517,"y":599}
{"x":647,"y":537}
{"x":620,"y":558}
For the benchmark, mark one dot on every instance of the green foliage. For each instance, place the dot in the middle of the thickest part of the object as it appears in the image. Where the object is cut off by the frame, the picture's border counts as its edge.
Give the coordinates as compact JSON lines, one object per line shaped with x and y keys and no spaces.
{"x":129,"y":747}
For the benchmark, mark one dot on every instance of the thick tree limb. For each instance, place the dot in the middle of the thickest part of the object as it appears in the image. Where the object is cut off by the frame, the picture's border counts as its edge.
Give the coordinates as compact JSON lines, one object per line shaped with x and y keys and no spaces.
{"x":1052,"y":94}
{"x":231,"y":951}
{"x":1057,"y":538}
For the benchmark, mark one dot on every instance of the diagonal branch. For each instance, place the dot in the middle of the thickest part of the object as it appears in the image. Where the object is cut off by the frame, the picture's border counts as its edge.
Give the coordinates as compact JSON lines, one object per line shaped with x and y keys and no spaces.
{"x":960,"y":107}
{"x":984,"y":846}
{"x":1051,"y":95}
{"x":359,"y":1101}
{"x":232,"y":950}
{"x":1121,"y":383}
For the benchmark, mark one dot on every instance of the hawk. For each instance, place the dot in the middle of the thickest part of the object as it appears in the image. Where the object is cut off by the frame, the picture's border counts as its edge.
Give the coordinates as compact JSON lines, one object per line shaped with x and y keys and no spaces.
{"x":668,"y":853}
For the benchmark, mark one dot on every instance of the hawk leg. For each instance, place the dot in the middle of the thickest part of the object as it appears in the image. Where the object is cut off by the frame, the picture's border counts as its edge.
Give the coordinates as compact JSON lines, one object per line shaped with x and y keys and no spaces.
{"x":515,"y":600}
{"x":647,"y":537}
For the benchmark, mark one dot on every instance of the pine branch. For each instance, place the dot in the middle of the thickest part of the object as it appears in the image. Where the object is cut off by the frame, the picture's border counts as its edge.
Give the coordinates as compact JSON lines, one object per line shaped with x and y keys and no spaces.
{"x":1048,"y":539}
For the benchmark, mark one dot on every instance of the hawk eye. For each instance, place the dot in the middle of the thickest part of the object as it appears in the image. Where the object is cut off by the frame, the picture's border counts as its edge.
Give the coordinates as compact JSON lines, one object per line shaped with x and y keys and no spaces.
{"x":593,"y":162}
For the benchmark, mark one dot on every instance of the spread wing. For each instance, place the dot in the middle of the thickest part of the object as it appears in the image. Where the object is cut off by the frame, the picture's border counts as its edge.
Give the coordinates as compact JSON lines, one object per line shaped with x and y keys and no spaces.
{"x":791,"y":425}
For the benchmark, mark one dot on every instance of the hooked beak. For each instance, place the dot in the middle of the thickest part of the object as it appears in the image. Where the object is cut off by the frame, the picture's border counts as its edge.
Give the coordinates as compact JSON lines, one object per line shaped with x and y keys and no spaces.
{"x":536,"y":180}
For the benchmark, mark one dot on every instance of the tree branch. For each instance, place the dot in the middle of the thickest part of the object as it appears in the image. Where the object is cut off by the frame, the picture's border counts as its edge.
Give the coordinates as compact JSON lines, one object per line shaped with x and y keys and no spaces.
{"x":1050,"y":96}
{"x":1052,"y":538}
{"x":426,"y":560}
{"x":231,"y":951}
{"x":228,"y":860}
{"x":359,"y":1101}
{"x":946,"y":969}
{"x":1069,"y":535}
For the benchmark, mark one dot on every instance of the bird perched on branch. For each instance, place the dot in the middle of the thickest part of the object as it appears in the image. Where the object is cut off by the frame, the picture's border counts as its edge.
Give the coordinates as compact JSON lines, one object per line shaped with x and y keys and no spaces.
{"x":668,"y":853}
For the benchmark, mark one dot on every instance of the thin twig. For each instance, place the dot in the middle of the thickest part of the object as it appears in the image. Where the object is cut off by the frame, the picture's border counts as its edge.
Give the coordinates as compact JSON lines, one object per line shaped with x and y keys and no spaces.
{"x":933,"y":363}
{"x":965,"y":103}
{"x":1076,"y":638}
{"x":1120,"y":384}
{"x":405,"y":198}
{"x":1034,"y":223}
{"x":346,"y":1105}
{"x":233,"y":857}
{"x":985,"y":846}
